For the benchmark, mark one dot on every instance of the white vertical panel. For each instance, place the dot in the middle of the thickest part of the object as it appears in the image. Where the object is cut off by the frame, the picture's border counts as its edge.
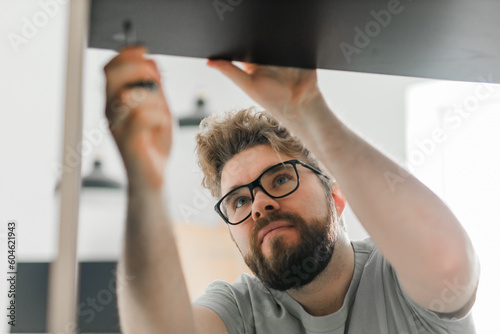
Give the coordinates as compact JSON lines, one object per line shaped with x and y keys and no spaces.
{"x":63,"y":272}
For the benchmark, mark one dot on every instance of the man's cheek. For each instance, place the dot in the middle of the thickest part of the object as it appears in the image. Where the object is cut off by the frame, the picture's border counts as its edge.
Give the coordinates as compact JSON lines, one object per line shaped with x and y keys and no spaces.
{"x":246,"y":246}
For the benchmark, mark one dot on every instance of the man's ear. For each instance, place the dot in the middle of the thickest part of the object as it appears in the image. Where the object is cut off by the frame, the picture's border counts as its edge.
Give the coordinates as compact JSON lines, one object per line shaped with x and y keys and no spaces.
{"x":339,"y":198}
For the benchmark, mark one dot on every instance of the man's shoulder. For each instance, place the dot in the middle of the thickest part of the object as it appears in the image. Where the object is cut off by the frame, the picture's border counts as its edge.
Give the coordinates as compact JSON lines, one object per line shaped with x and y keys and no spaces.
{"x":365,"y":250}
{"x":365,"y":245}
{"x":243,"y":280}
{"x":245,"y":286}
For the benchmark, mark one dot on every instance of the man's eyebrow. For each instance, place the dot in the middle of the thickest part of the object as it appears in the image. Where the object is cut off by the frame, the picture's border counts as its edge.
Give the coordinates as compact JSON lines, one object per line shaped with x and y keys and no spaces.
{"x":239,"y":185}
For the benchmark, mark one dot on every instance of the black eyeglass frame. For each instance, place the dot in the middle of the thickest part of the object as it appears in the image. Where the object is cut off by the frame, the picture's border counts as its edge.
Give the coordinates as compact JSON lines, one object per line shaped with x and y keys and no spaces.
{"x":257,"y":184}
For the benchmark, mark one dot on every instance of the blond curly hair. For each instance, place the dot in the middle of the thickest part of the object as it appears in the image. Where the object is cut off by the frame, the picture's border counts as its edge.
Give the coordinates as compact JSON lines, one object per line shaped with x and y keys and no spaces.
{"x":224,"y":135}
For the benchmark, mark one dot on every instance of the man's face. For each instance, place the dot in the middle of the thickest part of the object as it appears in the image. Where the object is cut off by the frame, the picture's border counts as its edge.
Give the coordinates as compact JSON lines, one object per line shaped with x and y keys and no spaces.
{"x":288,"y":241}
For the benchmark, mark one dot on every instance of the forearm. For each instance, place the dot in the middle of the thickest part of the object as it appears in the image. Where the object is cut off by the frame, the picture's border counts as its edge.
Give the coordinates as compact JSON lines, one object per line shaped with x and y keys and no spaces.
{"x":155,"y":300}
{"x":411,"y":226}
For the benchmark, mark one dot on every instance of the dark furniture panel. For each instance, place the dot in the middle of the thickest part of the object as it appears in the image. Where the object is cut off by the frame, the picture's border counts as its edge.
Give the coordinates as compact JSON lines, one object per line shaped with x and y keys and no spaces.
{"x":443,"y":39}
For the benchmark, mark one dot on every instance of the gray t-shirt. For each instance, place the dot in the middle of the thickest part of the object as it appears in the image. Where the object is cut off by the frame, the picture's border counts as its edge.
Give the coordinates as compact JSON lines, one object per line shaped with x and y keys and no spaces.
{"x":375,"y":303}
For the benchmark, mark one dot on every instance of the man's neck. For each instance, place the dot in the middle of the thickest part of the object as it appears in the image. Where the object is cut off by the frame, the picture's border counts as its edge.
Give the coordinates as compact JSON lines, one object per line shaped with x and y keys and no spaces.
{"x":325,"y":295}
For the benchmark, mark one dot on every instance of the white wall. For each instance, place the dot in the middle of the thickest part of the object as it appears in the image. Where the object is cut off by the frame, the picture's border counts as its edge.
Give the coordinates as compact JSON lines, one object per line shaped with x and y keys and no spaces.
{"x":32,"y":88}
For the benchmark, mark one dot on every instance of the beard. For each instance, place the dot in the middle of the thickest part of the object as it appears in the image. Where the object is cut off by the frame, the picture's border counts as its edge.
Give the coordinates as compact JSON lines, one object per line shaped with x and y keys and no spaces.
{"x":292,"y":266}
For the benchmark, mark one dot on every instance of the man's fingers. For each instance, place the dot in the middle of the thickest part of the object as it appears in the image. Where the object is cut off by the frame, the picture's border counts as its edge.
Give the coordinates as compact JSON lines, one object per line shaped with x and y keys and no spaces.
{"x":133,"y":86}
{"x":132,"y":101}
{"x":233,"y":72}
{"x":249,"y":67}
{"x":129,"y":66}
{"x":127,"y":54}
{"x":127,"y":73}
{"x":149,"y":85}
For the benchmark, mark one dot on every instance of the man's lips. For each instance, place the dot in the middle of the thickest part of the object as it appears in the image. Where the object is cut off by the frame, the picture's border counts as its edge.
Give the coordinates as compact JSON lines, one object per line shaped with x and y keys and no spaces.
{"x":270,"y":227}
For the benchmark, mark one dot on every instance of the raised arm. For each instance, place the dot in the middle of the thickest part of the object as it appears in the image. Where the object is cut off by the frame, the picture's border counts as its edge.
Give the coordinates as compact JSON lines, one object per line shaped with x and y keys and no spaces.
{"x":412,"y":227}
{"x":155,"y":299}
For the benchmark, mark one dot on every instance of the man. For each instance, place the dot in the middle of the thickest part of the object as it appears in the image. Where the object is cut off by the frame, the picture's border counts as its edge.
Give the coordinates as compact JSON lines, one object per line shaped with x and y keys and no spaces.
{"x":418,"y":273}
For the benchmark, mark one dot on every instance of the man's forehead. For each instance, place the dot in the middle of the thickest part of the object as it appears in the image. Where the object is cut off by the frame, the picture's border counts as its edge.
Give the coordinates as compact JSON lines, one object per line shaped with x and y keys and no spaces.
{"x":247,"y":165}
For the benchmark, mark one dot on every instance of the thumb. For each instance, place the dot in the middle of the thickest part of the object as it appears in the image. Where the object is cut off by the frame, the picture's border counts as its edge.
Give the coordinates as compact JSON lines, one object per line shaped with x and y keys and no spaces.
{"x":233,"y":72}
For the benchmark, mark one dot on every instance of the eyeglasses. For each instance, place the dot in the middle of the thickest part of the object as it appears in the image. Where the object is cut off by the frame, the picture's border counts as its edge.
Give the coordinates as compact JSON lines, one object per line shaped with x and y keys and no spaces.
{"x":276,"y":181}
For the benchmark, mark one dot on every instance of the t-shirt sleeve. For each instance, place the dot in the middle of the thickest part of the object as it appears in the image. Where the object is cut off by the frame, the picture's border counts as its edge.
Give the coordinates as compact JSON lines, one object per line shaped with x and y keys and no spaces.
{"x":457,"y":323}
{"x":220,"y":298}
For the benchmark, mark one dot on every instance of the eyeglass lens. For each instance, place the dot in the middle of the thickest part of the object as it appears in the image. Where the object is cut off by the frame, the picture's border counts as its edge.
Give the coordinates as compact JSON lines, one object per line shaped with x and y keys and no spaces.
{"x":278,"y":181}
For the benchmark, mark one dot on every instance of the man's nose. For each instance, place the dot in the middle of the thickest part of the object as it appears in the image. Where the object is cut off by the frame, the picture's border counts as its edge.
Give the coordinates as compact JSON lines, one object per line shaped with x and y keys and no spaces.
{"x":263,"y":204}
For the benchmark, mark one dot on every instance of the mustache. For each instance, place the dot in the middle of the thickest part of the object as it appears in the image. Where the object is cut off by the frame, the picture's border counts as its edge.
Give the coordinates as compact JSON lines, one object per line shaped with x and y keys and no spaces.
{"x":292,"y":218}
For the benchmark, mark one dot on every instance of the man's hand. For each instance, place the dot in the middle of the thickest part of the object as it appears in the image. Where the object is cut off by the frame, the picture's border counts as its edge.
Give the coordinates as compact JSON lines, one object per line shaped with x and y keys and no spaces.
{"x":283,"y":91}
{"x":139,"y":117}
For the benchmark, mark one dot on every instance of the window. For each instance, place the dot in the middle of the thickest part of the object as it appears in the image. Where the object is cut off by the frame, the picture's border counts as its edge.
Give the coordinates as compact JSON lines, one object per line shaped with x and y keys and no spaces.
{"x":453,"y":146}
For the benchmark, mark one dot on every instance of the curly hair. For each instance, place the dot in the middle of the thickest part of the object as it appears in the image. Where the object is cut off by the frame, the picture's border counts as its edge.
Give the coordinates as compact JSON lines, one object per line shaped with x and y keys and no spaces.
{"x":224,"y":135}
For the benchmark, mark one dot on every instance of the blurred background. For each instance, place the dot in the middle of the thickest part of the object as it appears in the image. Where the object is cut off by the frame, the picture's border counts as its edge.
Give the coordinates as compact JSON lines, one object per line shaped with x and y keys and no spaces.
{"x":446,"y":133}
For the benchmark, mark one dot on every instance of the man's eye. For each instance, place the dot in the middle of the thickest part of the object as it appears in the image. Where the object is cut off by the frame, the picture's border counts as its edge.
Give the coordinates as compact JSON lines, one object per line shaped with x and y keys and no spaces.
{"x":281,"y":180}
{"x":240,"y":201}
